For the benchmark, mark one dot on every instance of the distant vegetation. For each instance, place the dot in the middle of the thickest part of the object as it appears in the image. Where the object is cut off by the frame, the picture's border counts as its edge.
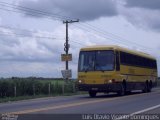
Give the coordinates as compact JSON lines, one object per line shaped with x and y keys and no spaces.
{"x":32,"y":86}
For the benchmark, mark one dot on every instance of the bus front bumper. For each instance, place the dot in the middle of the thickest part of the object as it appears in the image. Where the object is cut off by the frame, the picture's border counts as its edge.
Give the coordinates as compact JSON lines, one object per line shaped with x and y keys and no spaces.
{"x":112,"y":87}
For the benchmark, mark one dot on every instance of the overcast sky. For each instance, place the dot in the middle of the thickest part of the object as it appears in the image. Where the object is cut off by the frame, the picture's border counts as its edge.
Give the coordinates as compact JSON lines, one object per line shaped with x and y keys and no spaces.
{"x":32,"y":33}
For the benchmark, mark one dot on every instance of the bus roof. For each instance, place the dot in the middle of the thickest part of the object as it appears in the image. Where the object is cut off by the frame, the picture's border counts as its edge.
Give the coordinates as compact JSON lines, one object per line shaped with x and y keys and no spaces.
{"x":115,"y":47}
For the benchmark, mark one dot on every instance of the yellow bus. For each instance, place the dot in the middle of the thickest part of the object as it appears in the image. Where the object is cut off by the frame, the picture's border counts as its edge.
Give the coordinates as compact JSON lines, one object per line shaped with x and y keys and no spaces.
{"x":115,"y":69}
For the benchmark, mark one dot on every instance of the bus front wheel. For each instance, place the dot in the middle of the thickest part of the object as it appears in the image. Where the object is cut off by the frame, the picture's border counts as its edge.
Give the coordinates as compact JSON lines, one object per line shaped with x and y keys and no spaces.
{"x":92,"y":93}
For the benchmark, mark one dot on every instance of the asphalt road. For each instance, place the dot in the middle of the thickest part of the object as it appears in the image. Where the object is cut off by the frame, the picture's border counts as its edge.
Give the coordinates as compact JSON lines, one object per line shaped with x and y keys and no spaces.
{"x":130,"y":104}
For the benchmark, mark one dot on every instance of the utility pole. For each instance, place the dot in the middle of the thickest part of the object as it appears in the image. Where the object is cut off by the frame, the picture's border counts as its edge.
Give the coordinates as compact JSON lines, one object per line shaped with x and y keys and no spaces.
{"x":66,"y":45}
{"x":67,"y":57}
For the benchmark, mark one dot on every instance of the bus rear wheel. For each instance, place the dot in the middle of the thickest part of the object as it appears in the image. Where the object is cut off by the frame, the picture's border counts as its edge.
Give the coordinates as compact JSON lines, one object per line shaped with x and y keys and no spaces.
{"x":92,"y":93}
{"x":147,"y":87}
{"x":122,"y":91}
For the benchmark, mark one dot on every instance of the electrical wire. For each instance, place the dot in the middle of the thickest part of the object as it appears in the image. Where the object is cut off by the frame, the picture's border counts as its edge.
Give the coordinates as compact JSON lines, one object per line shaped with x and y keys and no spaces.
{"x":23,"y":35}
{"x":88,"y":27}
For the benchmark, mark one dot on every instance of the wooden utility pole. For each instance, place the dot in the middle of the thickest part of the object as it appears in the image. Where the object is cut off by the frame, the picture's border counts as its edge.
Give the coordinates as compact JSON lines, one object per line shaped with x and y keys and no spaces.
{"x":66,"y":45}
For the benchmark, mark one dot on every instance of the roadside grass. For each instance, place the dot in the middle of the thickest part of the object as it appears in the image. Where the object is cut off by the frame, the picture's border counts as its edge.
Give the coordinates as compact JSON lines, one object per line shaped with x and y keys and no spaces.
{"x":58,"y":87}
{"x":23,"y":89}
{"x":19,"y":98}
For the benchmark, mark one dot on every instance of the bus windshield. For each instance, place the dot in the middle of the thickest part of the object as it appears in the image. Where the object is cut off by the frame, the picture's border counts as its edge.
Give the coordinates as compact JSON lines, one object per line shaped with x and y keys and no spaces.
{"x":102,"y":60}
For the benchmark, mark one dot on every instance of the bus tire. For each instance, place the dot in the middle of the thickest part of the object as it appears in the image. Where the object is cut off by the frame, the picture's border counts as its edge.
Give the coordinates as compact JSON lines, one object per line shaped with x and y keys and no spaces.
{"x":149,"y":86}
{"x":122,"y":91}
{"x":128,"y":92}
{"x":145,"y":89}
{"x":92,"y":93}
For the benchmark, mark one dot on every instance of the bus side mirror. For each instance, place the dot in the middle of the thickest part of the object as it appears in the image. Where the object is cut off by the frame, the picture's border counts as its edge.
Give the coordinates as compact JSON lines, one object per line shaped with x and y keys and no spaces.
{"x":117,"y":61}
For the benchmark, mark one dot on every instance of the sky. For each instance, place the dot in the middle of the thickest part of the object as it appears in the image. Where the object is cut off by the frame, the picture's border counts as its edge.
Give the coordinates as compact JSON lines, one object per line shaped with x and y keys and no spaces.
{"x":32,"y":33}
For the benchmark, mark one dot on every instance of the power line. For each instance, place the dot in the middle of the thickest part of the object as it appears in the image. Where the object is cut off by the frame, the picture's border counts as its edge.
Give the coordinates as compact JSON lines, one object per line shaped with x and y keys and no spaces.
{"x":113,"y":35}
{"x":87,"y":26}
{"x":31,"y":31}
{"x":39,"y":37}
{"x":23,"y":35}
{"x":31,"y":14}
{"x":98,"y":34}
{"x":33,"y":11}
{"x":14,"y":28}
{"x":77,"y":43}
{"x":20,"y":29}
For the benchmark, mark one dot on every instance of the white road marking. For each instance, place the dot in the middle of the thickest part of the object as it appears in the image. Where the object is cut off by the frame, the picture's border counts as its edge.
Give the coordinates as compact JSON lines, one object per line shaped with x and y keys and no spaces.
{"x":138,"y":112}
{"x":145,"y":110}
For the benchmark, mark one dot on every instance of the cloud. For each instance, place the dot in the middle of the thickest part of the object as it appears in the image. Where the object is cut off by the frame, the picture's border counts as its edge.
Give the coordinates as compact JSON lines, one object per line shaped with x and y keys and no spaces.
{"x":143,"y":14}
{"x":26,"y":69}
{"x":84,"y":10}
{"x":28,"y":56}
{"x":25,"y":56}
{"x":31,"y":56}
{"x":26,"y":48}
{"x":144,"y":19}
{"x":149,"y":4}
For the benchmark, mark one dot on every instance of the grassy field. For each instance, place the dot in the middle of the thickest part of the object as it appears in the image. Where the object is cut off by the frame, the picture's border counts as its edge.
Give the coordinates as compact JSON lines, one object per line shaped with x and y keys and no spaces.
{"x":26,"y":88}
{"x":10,"y":99}
{"x":37,"y":88}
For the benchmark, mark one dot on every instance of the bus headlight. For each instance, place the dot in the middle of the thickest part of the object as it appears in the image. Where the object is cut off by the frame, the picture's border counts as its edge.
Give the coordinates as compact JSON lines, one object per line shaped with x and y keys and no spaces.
{"x":79,"y":81}
{"x":109,"y":81}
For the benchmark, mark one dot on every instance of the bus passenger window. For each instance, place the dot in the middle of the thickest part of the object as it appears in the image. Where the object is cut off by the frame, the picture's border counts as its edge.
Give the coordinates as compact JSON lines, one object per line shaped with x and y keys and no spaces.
{"x":117,"y":61}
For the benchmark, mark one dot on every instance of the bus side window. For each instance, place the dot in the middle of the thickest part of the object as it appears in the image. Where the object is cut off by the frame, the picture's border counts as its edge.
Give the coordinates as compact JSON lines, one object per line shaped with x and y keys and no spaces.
{"x":117,"y":61}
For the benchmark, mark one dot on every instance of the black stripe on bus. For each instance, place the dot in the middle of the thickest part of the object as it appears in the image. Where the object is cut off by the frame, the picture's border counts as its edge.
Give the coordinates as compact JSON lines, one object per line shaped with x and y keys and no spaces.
{"x":139,"y":75}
